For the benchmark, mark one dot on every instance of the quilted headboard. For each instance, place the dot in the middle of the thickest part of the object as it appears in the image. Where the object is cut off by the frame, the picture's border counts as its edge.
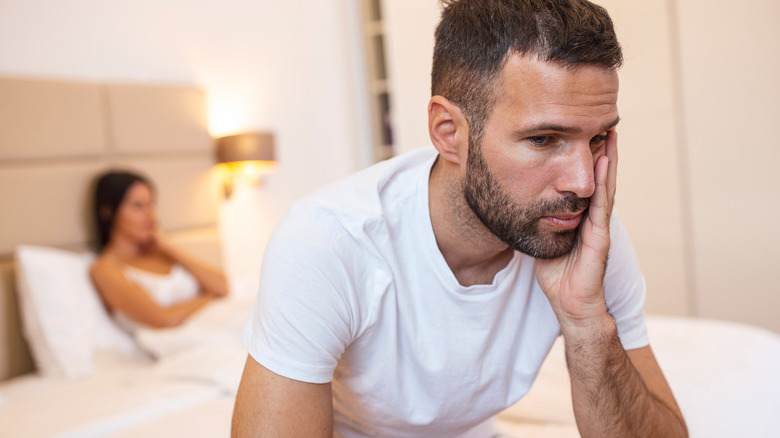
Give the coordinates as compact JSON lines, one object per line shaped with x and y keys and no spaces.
{"x":55,"y":136}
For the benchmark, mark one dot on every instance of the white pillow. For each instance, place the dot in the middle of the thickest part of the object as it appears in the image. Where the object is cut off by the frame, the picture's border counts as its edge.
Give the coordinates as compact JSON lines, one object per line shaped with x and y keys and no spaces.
{"x":64,"y":320}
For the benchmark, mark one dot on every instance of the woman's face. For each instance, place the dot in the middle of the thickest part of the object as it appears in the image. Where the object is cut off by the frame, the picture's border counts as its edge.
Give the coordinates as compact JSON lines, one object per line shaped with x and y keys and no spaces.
{"x":136,"y":218}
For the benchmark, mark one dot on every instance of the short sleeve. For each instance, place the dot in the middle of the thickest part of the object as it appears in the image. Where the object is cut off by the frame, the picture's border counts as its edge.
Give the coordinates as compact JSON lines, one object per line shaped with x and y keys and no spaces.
{"x":301,"y":321}
{"x":624,"y":288}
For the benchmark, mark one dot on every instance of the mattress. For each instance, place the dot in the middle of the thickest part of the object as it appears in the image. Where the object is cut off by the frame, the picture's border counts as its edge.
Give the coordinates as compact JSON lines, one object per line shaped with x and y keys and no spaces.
{"x":723,"y":375}
{"x":200,"y":364}
{"x":95,"y":406}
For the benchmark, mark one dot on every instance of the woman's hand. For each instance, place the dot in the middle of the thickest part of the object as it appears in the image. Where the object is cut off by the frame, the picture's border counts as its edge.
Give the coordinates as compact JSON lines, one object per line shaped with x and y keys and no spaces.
{"x":160,"y":244}
{"x":121,"y":295}
{"x":210,"y":278}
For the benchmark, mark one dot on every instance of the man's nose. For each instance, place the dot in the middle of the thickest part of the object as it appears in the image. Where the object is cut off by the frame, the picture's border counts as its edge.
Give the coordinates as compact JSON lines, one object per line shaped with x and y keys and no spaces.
{"x":577,"y":172}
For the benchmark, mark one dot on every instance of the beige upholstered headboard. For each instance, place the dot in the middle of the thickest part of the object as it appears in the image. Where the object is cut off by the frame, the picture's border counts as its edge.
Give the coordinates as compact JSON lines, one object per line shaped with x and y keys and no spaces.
{"x":55,"y":136}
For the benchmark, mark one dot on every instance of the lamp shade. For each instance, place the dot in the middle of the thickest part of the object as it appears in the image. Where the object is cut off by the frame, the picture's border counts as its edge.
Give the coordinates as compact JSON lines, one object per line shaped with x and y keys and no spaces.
{"x":258,"y":146}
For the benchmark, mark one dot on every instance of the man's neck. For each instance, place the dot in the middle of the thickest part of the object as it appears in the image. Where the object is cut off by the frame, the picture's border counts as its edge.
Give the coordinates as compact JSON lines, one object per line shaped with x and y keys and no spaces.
{"x":472,"y":252}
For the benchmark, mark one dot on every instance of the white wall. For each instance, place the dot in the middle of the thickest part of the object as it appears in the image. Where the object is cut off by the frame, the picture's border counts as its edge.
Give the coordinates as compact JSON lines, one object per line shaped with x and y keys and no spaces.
{"x":284,"y":66}
{"x":409,"y":26}
{"x":730,"y":66}
{"x":650,"y":190}
{"x":699,"y":92}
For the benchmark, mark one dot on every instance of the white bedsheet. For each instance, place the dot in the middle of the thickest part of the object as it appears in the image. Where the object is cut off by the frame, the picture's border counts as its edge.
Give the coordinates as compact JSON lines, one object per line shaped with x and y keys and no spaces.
{"x":94,"y":406}
{"x":201,"y":363}
{"x":208,"y":419}
{"x":723,"y":375}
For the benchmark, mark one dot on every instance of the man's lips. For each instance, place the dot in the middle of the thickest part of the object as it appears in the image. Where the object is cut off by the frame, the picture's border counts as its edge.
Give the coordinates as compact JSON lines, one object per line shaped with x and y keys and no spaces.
{"x":564,"y":221}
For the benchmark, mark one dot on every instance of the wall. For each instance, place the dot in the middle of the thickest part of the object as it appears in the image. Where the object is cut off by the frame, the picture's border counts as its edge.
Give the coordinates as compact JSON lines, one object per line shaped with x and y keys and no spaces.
{"x":729,"y":69}
{"x":280,"y":66}
{"x":698,"y":156}
{"x":698,"y":102}
{"x":409,"y":27}
{"x":650,"y":190}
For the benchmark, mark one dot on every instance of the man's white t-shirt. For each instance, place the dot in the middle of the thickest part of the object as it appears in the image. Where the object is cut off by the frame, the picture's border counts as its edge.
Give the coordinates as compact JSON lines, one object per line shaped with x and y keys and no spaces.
{"x":354,"y":291}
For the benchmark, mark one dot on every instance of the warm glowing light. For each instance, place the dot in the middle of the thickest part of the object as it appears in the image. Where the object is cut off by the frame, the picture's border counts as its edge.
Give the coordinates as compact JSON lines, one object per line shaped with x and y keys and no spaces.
{"x":246,"y":156}
{"x":225,"y":119}
{"x":250,"y":168}
{"x":244,"y":173}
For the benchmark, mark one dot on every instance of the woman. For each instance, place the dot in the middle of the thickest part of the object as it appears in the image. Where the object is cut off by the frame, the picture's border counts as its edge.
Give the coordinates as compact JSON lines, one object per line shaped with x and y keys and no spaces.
{"x":141,"y":278}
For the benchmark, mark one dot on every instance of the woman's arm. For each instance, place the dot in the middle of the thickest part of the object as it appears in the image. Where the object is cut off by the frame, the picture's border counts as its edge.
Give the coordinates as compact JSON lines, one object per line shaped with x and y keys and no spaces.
{"x":210,"y":278}
{"x":124,"y":296}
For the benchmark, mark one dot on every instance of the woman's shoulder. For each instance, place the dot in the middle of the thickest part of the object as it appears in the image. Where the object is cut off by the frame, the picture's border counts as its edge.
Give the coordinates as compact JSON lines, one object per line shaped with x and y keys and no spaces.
{"x":154,"y":262}
{"x":105,"y":263}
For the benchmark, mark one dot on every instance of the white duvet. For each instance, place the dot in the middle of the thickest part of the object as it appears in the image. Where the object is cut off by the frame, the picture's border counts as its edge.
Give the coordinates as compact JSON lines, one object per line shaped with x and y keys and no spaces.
{"x":723,"y":374}
{"x":197,"y":365}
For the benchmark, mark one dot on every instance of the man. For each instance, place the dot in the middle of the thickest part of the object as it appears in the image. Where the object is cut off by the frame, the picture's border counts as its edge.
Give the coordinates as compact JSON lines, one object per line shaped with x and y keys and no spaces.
{"x":419,"y":297}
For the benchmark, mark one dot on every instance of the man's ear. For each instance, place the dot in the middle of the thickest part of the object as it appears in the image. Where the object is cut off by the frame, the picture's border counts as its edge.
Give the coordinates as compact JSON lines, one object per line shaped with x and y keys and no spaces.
{"x":448,"y":129}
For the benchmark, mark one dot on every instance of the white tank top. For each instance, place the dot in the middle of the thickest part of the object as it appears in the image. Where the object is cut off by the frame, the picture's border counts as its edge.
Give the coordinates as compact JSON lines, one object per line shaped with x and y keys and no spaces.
{"x":166,"y":289}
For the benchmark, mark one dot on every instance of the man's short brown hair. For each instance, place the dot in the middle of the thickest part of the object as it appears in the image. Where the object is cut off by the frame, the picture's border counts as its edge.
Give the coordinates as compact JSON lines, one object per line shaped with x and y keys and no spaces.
{"x":475,"y":37}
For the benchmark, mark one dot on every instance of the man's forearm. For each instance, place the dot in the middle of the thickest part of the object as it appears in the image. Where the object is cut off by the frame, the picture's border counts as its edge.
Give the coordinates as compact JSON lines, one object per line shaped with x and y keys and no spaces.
{"x":609,"y":396}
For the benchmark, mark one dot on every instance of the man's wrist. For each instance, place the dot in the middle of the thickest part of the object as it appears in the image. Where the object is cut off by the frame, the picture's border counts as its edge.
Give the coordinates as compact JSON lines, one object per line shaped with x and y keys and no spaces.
{"x":588,"y":331}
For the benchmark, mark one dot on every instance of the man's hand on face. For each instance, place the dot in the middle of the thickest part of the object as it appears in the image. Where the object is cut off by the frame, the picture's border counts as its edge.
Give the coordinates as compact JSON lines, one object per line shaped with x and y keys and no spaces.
{"x":574,"y":283}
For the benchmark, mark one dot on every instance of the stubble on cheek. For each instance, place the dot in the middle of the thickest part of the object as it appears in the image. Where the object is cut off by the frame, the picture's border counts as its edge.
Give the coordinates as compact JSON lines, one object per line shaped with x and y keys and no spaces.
{"x":519,"y":226}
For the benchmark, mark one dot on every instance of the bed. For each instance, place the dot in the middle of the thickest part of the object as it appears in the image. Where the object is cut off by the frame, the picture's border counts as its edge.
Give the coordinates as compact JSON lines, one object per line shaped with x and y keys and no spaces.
{"x":67,"y":372}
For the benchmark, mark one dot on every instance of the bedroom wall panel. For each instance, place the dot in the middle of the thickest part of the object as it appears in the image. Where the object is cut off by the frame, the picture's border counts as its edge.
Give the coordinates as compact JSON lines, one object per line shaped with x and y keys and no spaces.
{"x":49,"y":118}
{"x":15,"y":356}
{"x":730,"y":64}
{"x":57,"y":136}
{"x":188,"y":190}
{"x":45,"y":204}
{"x":649,"y":194}
{"x":409,"y":27}
{"x":203,"y":243}
{"x":144,"y":118}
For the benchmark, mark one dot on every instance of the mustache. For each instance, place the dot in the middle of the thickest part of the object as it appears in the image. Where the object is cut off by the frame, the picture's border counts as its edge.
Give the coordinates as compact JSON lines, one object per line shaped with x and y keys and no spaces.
{"x":566,"y":204}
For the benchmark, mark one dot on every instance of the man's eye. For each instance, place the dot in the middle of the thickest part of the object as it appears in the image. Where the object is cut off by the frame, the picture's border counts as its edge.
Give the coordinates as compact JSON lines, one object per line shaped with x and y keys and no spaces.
{"x":599,"y":139}
{"x":540,"y":140}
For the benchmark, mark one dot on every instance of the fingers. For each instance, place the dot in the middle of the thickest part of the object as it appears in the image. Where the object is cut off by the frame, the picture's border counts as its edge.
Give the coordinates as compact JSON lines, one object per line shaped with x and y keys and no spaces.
{"x":599,"y":204}
{"x":605,"y":175}
{"x":612,"y":154}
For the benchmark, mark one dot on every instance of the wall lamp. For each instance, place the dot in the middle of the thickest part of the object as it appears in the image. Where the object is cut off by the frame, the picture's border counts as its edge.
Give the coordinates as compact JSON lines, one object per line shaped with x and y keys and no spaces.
{"x":244,"y":157}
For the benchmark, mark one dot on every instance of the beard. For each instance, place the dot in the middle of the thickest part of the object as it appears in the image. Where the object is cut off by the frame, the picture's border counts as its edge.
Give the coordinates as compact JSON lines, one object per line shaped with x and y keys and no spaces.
{"x":519,"y":226}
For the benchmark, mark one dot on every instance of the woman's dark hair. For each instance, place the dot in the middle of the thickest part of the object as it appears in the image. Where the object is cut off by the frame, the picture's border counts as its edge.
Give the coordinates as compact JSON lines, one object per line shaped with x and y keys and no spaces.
{"x":475,"y":37}
{"x":110,"y":190}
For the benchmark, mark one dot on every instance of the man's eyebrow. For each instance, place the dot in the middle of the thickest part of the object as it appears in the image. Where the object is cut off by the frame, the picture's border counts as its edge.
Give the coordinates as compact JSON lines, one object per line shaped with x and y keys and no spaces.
{"x":612,"y":125}
{"x":562,"y":128}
